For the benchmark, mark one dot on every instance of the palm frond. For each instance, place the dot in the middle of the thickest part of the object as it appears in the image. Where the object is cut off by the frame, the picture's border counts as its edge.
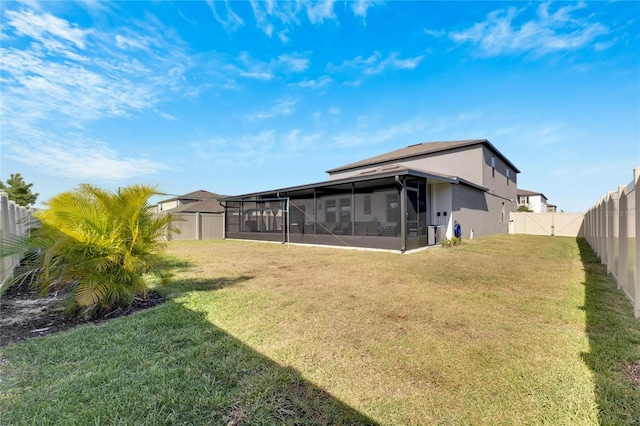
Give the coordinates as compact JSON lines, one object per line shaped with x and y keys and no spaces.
{"x":98,"y":244}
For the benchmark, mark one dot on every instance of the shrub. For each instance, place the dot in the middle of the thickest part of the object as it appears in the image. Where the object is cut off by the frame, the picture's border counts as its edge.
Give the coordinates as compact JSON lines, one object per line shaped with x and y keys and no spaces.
{"x":454,"y":241}
{"x":97,"y":246}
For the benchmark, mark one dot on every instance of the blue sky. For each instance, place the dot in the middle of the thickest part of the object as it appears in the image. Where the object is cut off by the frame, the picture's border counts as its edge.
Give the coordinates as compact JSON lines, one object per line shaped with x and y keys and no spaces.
{"x":237,"y":97}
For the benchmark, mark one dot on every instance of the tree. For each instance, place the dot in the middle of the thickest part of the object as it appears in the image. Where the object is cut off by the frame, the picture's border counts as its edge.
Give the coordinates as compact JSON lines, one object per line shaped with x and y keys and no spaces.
{"x":524,"y":208}
{"x":19,"y":191}
{"x":97,"y":247}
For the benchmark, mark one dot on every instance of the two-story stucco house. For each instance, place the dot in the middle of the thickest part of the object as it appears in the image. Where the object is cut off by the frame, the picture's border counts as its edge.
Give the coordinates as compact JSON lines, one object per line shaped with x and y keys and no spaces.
{"x":533,"y":201}
{"x":401,"y":200}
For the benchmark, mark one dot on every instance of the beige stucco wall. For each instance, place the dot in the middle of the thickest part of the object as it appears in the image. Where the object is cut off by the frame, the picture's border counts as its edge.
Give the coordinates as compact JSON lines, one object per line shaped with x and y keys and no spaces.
{"x":485,"y":213}
{"x":497,"y":182}
{"x":465,"y":162}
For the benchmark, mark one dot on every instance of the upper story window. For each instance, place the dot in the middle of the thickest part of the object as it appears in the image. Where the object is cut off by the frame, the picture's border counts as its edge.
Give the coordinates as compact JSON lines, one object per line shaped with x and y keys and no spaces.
{"x":508,"y":175}
{"x":493,"y":166}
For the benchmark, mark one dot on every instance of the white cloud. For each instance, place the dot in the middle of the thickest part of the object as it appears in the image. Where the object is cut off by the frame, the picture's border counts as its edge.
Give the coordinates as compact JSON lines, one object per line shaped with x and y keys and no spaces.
{"x":292,"y":63}
{"x":271,"y":16}
{"x":318,"y":12}
{"x":78,"y":76}
{"x":360,"y":7}
{"x":228,"y":19}
{"x":368,"y":132}
{"x":166,"y":116}
{"x":74,"y":156}
{"x":282,"y":107}
{"x":44,"y":26}
{"x":246,"y":66}
{"x":435,"y":33}
{"x":61,"y":77}
{"x":314,"y":84}
{"x":248,"y":150}
{"x":376,"y":63}
{"x":500,"y":33}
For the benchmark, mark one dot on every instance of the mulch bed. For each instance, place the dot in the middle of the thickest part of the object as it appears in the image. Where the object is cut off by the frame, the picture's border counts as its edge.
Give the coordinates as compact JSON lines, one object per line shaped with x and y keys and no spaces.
{"x":23,"y":315}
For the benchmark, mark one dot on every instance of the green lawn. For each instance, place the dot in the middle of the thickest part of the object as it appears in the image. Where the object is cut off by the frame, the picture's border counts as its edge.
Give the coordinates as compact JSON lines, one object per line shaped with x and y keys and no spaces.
{"x":501,"y":330}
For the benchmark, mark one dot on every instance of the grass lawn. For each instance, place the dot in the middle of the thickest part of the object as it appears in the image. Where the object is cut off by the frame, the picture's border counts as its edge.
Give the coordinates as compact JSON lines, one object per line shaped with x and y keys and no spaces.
{"x":501,"y":330}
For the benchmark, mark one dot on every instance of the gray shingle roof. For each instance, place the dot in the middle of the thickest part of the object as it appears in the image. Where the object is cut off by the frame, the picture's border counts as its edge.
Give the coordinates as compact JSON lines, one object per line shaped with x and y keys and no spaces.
{"x":525,"y":192}
{"x":202,"y":206}
{"x":200,"y":194}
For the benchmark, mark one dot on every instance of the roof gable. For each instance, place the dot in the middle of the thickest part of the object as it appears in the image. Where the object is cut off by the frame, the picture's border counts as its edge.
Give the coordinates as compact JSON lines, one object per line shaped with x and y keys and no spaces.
{"x":198,"y":195}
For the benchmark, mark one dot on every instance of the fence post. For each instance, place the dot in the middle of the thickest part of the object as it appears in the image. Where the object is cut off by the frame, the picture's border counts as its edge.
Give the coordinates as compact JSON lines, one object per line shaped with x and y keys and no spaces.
{"x":198,"y":226}
{"x":636,"y":213}
{"x":5,"y":262}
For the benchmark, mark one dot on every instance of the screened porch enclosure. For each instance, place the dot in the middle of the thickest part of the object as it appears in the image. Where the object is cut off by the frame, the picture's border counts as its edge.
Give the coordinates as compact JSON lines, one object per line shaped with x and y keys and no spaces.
{"x":386,"y":213}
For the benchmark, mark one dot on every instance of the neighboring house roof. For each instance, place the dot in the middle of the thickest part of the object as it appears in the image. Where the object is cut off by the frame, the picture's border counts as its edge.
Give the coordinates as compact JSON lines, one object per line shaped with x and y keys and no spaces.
{"x":198,"y":195}
{"x":421,"y":149}
{"x":529,"y":193}
{"x":202,"y":206}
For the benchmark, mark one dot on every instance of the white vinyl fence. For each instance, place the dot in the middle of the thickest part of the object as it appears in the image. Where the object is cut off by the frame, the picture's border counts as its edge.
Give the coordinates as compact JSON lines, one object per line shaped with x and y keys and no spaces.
{"x":611,"y":227}
{"x":552,"y":224}
{"x":15,"y":221}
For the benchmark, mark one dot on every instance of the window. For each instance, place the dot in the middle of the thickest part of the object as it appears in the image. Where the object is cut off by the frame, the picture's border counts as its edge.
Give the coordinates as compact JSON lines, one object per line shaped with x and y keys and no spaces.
{"x":367,"y":205}
{"x":393,"y":208}
{"x":345,"y":210}
{"x":330,"y":211}
{"x":508,"y":173}
{"x":493,"y":166}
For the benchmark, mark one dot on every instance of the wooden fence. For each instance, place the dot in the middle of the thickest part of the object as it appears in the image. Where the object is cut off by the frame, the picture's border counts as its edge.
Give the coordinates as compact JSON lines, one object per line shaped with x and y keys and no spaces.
{"x":611,"y":227}
{"x":15,"y":221}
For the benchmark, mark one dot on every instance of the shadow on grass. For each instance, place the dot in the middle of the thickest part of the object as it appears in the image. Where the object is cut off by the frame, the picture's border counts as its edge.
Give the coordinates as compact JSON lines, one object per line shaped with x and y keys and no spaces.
{"x":167,"y":365}
{"x":614,"y":340}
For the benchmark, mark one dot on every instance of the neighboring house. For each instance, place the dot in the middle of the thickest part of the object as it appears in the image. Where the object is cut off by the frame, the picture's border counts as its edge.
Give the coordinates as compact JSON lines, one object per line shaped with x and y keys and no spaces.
{"x":205,"y":200}
{"x":534,"y":201}
{"x":400,"y":200}
{"x":552,"y":208}
{"x":196,"y":216}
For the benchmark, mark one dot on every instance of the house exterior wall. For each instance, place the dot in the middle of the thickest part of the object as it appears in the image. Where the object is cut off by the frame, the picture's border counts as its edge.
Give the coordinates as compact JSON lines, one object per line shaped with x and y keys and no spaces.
{"x":484,"y":212}
{"x":400,"y":212}
{"x":538,"y":203}
{"x":168,"y":205}
{"x":463,"y":162}
{"x":495,"y":178}
{"x":440,"y":206}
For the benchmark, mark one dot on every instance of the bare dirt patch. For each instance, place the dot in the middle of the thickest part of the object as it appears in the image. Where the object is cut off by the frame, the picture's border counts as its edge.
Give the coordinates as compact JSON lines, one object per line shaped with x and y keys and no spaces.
{"x":632,"y":372}
{"x":23,"y":315}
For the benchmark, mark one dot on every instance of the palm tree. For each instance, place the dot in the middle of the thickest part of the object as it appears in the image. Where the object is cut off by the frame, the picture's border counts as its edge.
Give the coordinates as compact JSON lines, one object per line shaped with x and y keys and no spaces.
{"x":524,"y":208}
{"x":97,"y":246}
